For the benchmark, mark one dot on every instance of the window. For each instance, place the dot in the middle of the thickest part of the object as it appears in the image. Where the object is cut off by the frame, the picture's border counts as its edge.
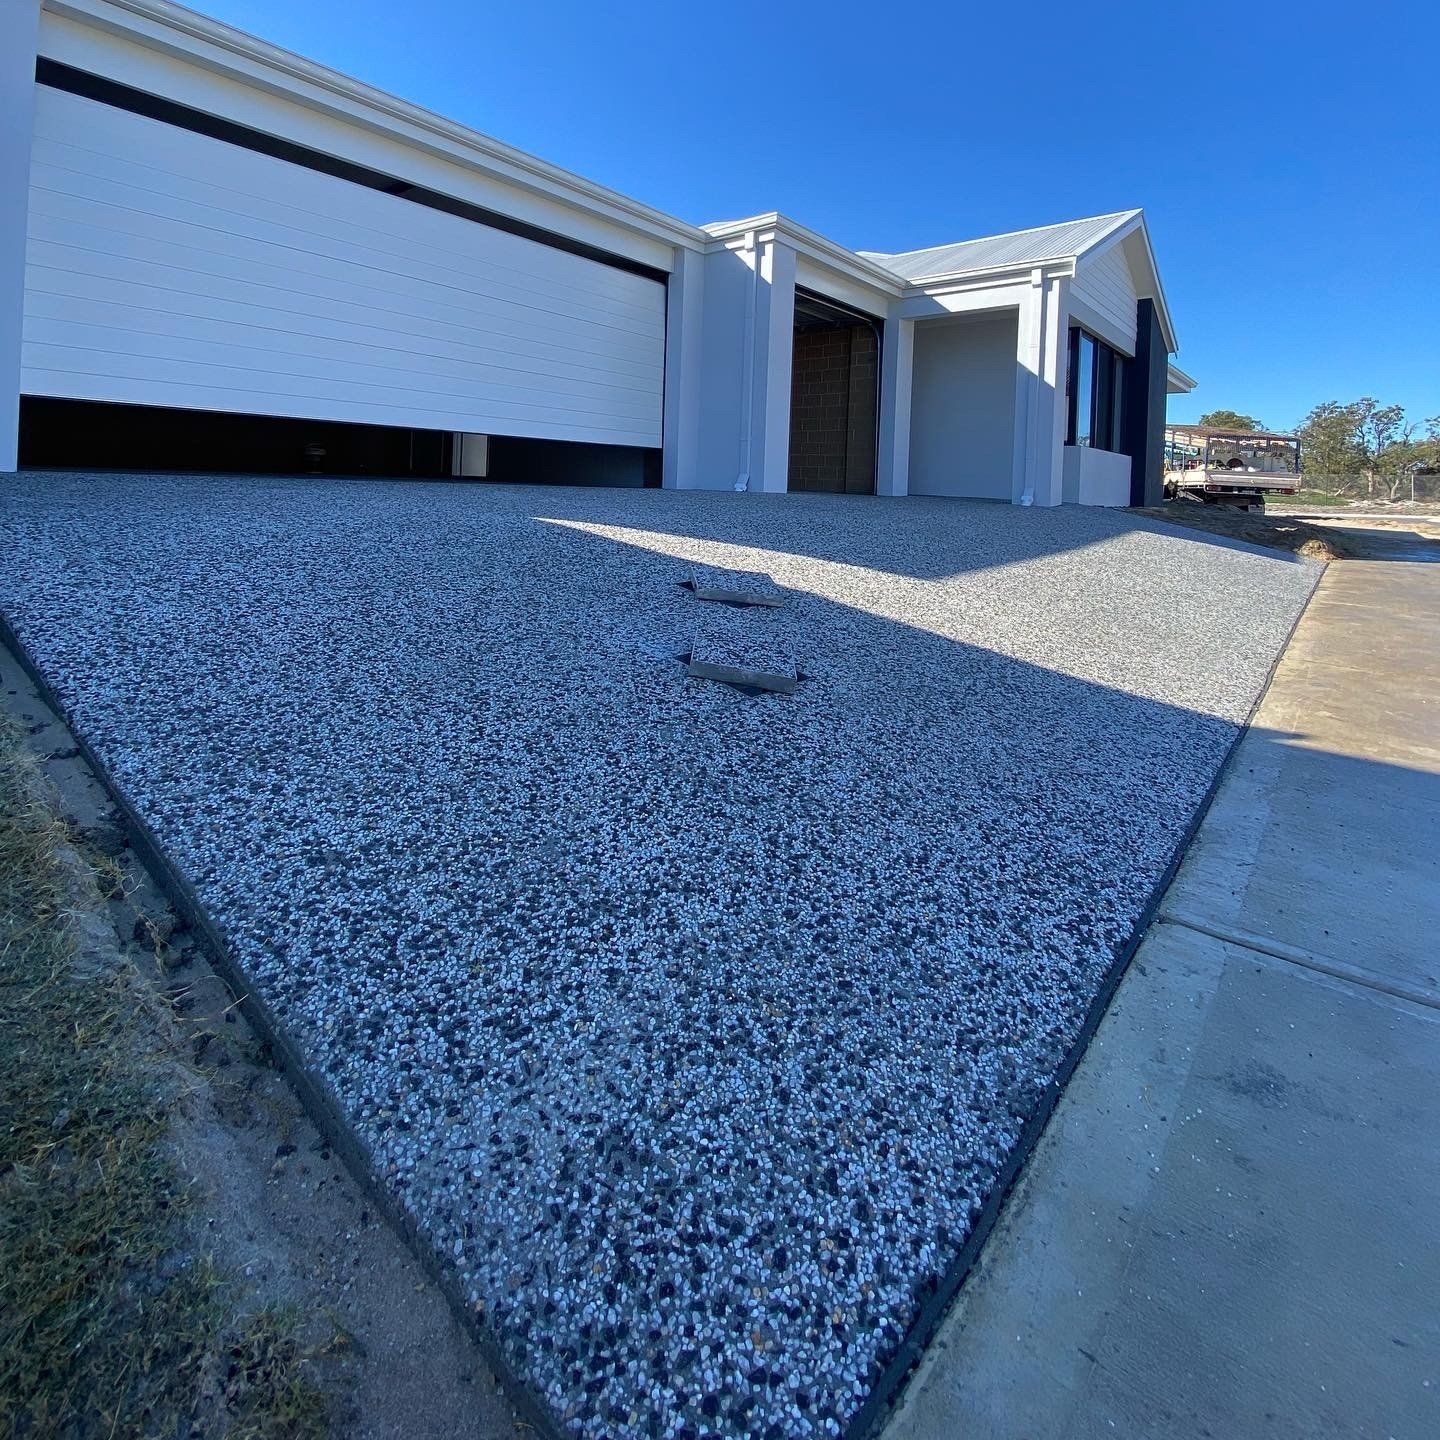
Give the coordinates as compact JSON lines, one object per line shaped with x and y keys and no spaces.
{"x":1082,"y":390}
{"x":1117,"y":403}
{"x":1095,"y":393}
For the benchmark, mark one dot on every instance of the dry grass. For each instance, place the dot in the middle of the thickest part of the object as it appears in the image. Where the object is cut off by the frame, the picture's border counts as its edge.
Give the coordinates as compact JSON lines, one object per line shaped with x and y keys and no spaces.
{"x":112,"y":1321}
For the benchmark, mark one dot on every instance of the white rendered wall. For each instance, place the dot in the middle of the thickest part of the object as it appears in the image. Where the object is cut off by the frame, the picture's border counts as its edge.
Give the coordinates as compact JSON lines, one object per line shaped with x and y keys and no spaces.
{"x":897,"y":391}
{"x":1096,"y":477}
{"x":472,"y":456}
{"x":19,"y":24}
{"x":962,"y":412}
{"x":746,"y":345}
{"x":169,"y":268}
{"x":1040,"y":362}
{"x":684,"y":371}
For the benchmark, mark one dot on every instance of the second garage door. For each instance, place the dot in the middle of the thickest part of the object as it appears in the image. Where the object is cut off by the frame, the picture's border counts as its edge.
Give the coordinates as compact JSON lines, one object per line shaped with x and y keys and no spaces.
{"x":171,"y":268}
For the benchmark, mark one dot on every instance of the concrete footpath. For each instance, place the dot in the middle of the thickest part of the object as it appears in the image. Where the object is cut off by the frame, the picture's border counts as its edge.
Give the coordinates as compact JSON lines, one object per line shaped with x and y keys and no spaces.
{"x":1231,"y":1227}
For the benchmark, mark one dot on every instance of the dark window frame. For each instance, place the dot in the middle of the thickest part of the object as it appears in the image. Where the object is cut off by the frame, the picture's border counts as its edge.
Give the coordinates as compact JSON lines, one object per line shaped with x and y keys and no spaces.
{"x":1105,"y":425}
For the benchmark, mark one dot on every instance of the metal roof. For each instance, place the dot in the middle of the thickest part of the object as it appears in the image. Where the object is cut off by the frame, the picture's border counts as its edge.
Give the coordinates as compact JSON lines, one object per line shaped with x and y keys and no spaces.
{"x":1220,"y":432}
{"x":1019,"y":247}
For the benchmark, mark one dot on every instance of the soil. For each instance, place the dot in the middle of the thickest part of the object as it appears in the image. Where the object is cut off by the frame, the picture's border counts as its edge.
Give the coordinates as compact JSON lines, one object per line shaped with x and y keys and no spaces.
{"x":1279,"y":532}
{"x":279,"y":1212}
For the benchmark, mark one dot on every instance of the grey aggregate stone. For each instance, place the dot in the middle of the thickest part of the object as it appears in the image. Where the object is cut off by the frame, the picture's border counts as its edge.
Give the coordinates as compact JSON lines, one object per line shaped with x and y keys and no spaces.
{"x":691,"y":1030}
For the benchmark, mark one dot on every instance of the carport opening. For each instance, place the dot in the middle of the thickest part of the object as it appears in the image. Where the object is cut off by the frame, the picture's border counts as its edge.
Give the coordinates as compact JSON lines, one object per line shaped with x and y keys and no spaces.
{"x":834,"y":398}
{"x":60,"y":434}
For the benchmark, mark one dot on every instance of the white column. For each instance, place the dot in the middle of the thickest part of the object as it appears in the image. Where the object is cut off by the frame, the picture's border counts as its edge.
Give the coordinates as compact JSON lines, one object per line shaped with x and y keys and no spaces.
{"x":774,"y":355}
{"x":897,"y":369}
{"x":1037,"y":476}
{"x":684,"y":314}
{"x":19,"y":35}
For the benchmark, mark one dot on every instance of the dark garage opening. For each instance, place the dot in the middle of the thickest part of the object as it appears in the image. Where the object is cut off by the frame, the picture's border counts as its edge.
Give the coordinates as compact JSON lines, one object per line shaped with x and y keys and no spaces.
{"x":834,"y":398}
{"x":94,"y":435}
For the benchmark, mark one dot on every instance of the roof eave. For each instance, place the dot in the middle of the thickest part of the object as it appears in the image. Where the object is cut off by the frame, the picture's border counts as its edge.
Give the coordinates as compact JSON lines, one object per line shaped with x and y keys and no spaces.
{"x":994,"y":274}
{"x":1177,"y":382}
{"x":812,"y":244}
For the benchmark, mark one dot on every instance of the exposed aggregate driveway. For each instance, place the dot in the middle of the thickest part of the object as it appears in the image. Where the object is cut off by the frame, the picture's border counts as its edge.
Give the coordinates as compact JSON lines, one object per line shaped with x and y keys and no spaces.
{"x":691,"y":1028}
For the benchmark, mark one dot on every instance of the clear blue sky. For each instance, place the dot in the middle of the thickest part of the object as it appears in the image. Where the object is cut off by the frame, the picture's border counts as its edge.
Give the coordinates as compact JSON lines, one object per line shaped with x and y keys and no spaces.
{"x":1287,"y":155}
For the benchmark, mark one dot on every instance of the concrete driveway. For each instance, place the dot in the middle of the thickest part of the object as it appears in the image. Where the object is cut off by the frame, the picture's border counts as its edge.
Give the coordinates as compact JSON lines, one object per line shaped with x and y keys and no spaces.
{"x":691,"y":1030}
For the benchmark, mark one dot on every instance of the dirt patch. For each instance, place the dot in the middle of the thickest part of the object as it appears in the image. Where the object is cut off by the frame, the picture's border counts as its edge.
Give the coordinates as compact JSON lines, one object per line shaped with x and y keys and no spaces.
{"x":1278,"y":532}
{"x":301,"y":1312}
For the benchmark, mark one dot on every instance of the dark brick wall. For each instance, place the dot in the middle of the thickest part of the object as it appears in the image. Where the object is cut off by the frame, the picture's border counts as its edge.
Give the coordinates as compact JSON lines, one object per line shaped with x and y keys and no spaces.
{"x":833,"y":410}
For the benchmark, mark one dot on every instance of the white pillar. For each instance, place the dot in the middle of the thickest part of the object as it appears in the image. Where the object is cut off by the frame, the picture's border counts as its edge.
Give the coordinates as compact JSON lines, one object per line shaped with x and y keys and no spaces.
{"x":684,"y":314}
{"x":1037,"y":476}
{"x":19,"y":36}
{"x":774,"y":341}
{"x":897,"y":369}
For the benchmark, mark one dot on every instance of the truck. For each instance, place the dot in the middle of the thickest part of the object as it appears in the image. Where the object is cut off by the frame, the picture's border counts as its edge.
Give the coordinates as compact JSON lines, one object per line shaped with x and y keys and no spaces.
{"x":1242,"y":468}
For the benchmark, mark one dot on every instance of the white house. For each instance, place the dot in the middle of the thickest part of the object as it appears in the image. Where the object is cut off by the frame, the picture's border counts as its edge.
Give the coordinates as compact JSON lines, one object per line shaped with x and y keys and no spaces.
{"x":216,"y":254}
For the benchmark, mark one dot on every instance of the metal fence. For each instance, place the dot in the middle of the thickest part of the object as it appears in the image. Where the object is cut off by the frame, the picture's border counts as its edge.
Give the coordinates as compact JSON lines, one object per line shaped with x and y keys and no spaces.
{"x":1382,"y":489}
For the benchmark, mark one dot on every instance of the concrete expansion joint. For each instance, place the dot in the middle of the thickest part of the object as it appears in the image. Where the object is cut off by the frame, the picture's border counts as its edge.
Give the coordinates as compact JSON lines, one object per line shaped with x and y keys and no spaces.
{"x":1308,"y":959}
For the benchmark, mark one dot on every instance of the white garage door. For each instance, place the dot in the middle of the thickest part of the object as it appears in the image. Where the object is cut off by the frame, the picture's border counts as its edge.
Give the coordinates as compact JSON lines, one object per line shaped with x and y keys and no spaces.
{"x":169,"y":268}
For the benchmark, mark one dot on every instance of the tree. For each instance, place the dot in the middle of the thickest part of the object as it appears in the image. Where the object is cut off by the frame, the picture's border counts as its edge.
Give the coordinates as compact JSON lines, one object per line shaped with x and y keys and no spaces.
{"x":1363,"y":438}
{"x":1405,"y":458}
{"x":1230,"y":420}
{"x":1328,"y":443}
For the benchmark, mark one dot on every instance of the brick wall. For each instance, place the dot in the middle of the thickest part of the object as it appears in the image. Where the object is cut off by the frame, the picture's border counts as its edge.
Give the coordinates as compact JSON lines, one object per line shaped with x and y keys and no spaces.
{"x":833,"y":410}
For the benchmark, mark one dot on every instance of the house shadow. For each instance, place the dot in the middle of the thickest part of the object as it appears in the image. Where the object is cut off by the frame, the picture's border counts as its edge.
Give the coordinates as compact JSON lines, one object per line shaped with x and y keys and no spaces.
{"x":861,"y":530}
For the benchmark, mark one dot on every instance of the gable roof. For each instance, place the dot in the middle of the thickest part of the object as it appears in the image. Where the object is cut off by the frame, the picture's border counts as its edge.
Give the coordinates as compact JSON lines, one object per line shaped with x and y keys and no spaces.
{"x":1065,"y":241}
{"x":1073,"y":240}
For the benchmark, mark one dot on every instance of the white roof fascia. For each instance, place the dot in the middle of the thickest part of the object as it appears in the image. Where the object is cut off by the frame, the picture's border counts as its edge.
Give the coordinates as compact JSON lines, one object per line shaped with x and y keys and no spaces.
{"x":209,"y":44}
{"x":1177,"y":382}
{"x":812,"y":244}
{"x":994,"y":275}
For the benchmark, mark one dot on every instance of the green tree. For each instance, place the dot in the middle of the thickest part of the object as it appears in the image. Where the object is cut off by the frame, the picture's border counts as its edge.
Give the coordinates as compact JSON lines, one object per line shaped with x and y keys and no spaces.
{"x":1364,"y":439}
{"x":1328,"y":440}
{"x":1230,"y":420}
{"x":1403,"y":459}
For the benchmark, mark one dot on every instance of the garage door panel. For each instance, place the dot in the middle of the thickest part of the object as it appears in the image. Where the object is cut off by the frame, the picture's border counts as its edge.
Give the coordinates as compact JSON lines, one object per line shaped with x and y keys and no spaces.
{"x":256,"y":193}
{"x":89,"y":300}
{"x":337,"y":368}
{"x":239,"y":236}
{"x":123,"y":376}
{"x":131,"y":304}
{"x":156,"y":259}
{"x":170,"y":244}
{"x":234,"y":290}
